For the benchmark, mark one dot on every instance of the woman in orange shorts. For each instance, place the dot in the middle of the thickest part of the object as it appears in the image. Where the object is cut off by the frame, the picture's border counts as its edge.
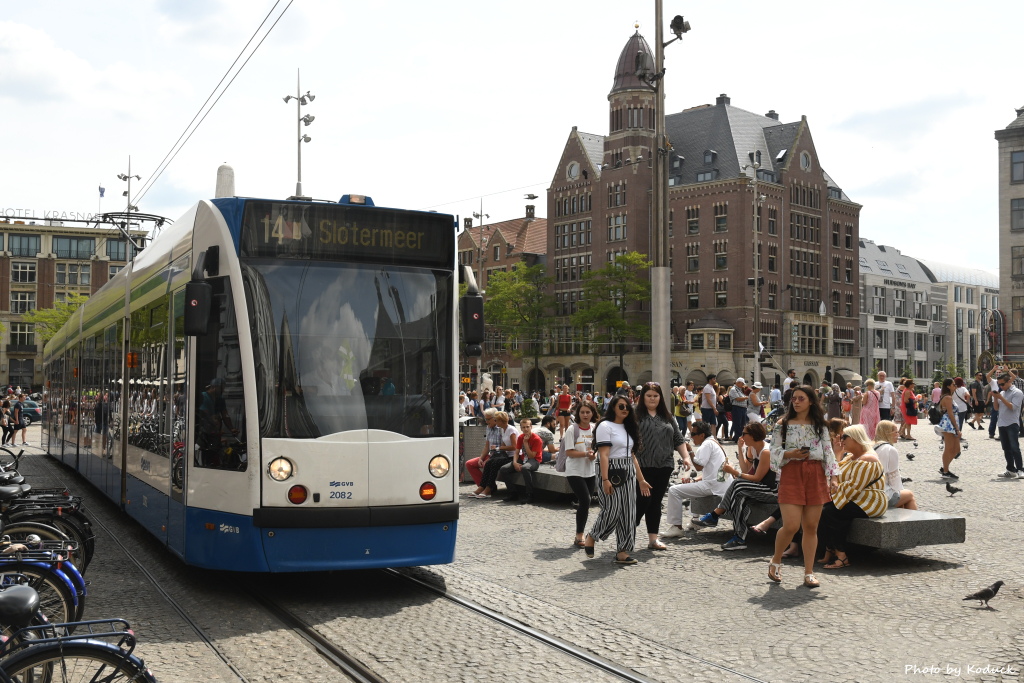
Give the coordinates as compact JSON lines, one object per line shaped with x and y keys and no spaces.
{"x":802,"y":456}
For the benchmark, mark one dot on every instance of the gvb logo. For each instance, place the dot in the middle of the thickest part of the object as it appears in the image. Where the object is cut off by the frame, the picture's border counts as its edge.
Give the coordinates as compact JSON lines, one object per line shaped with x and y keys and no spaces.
{"x":228,"y":529}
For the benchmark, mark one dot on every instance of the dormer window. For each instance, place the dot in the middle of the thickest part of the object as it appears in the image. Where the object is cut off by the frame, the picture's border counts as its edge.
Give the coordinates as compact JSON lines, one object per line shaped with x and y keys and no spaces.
{"x":709,"y":156}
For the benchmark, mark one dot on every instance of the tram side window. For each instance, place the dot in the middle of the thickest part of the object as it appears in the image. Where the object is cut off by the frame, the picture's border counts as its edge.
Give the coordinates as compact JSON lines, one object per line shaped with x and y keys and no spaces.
{"x":218,"y":399}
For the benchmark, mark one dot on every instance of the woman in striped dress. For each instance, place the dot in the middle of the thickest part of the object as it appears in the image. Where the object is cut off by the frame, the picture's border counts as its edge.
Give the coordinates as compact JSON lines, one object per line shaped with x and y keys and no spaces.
{"x":859,"y":494}
{"x":616,"y":439}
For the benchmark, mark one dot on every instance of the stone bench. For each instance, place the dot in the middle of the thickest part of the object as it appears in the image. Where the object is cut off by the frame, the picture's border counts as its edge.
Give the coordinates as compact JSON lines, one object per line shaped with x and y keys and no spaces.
{"x":897,"y":528}
{"x":547,"y":479}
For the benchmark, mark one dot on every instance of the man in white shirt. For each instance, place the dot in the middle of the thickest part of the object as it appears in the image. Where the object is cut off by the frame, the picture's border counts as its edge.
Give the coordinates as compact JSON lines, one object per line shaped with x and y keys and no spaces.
{"x":887,"y":391}
{"x":789,"y":382}
{"x":709,"y":401}
{"x":739,"y":408}
{"x":776,"y":396}
{"x":709,"y":458}
{"x":1009,"y":398}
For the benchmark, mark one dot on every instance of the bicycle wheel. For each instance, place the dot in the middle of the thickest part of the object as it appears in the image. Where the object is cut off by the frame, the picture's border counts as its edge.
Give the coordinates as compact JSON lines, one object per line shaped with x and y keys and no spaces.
{"x":56,"y":600}
{"x":73,"y":662}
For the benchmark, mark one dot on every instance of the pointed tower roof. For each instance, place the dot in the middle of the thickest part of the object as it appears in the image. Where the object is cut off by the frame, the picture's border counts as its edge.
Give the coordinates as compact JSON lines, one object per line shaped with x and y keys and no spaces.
{"x":625,"y":69}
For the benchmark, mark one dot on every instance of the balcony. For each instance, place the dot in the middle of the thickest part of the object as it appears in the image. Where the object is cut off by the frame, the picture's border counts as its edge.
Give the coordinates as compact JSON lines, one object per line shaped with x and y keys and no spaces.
{"x":21,"y":348}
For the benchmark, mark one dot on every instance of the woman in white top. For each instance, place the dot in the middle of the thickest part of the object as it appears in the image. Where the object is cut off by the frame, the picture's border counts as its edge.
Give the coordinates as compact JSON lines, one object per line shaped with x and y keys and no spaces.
{"x":616,"y":440}
{"x":961,"y":401}
{"x":754,"y":404}
{"x":886,"y":435}
{"x":579,"y":464}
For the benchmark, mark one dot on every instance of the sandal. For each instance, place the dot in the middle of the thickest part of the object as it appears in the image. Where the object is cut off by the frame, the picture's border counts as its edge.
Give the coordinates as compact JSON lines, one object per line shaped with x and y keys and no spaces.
{"x":775,"y":572}
{"x":657,"y":545}
{"x":839,"y":563}
{"x":627,"y":560}
{"x":579,"y":543}
{"x":588,"y":549}
{"x":810,"y":581}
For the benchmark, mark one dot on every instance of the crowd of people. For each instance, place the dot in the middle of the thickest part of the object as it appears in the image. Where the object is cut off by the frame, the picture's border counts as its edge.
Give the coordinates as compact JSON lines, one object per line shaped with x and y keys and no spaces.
{"x":829,"y":459}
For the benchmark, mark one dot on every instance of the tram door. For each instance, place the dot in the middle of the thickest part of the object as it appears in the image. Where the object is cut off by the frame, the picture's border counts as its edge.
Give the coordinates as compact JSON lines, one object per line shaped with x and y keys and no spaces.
{"x":178,"y":373}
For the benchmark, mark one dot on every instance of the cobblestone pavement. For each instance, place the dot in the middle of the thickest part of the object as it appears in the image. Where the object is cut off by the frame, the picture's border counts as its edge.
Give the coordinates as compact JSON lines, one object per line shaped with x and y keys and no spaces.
{"x":875,"y":621}
{"x":689,"y":613}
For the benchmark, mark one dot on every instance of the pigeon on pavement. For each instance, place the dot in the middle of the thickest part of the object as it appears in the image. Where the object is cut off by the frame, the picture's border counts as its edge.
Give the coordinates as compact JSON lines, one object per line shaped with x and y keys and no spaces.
{"x":915,"y":443}
{"x":985,"y":594}
{"x":953,"y":490}
{"x":905,"y":479}
{"x":910,"y":456}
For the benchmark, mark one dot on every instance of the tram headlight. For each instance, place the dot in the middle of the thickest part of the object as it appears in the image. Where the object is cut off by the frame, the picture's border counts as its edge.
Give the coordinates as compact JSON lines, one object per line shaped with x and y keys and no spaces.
{"x":439,"y":466}
{"x":281,"y":469}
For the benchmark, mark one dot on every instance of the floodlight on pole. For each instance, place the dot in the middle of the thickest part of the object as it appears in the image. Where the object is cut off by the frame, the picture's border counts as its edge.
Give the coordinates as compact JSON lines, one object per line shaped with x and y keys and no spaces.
{"x":300,"y":100}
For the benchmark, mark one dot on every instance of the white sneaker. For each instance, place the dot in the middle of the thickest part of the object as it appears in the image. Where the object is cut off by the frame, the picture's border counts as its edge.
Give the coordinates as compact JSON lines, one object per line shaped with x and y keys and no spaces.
{"x":673,"y":532}
{"x":1007,"y":475}
{"x":1020,"y":475}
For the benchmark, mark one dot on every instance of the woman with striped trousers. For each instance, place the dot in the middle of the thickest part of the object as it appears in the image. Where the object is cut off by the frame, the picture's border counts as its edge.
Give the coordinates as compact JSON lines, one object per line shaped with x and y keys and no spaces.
{"x":616,"y":439}
{"x":756,"y":482}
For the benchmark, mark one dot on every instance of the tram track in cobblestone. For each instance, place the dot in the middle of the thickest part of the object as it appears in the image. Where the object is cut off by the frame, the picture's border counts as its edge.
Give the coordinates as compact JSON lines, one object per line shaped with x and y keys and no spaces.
{"x":601,"y":663}
{"x":328,"y":651}
{"x":580,"y":654}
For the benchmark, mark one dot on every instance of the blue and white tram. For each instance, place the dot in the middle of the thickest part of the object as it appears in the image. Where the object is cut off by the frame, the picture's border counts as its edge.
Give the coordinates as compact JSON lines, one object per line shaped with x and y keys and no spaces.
{"x":269,"y":387}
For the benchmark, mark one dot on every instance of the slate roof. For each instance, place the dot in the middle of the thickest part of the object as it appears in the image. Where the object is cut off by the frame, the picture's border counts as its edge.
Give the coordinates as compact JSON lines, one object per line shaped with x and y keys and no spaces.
{"x":1019,"y":121}
{"x":594,"y":145}
{"x":625,"y":68}
{"x":732,"y":133}
{"x":899,"y":265}
{"x":535,"y":237}
{"x":947,"y":272}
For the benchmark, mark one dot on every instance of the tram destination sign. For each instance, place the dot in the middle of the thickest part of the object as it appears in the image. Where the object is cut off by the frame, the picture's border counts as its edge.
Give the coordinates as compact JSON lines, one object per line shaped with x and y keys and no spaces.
{"x":336,"y":232}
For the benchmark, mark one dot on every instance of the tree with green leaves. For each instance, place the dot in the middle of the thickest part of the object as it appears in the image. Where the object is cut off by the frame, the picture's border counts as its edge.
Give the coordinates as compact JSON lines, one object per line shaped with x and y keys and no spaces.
{"x":609,"y":304}
{"x":48,"y":321}
{"x":517,"y":303}
{"x":949,"y":369}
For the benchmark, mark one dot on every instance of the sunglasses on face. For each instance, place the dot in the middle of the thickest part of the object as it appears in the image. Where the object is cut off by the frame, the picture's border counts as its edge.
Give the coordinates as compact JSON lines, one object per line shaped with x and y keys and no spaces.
{"x":622,"y":406}
{"x":844,"y":437}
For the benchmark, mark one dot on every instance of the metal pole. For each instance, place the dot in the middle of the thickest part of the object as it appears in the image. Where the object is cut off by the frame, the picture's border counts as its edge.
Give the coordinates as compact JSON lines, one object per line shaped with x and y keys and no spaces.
{"x":757,"y":284}
{"x":660,"y":275}
{"x":298,"y":131}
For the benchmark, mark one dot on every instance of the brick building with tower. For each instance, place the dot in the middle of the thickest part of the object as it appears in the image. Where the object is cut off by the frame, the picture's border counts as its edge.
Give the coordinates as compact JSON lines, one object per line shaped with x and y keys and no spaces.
{"x":733,"y":175}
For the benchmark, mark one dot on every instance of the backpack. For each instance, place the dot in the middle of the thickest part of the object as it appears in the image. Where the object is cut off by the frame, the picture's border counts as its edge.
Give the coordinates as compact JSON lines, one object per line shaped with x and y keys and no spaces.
{"x":934,"y":414}
{"x":727,"y":402}
{"x":561,"y":457}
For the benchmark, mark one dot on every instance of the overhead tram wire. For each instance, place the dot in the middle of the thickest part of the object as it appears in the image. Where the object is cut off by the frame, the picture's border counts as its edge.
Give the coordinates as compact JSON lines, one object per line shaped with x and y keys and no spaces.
{"x":162,"y":166}
{"x":489,"y":194}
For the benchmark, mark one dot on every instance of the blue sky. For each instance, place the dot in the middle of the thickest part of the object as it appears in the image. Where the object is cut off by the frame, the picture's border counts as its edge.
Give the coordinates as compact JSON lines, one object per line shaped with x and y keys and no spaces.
{"x":435,"y":105}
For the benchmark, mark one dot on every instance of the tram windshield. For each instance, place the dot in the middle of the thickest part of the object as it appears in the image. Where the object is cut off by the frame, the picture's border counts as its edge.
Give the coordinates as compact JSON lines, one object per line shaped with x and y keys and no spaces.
{"x":343,"y":346}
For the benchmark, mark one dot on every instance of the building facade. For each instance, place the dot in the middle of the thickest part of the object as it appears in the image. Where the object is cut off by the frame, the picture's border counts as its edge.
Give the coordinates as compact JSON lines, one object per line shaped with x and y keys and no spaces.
{"x":922,"y":317}
{"x":41,"y":262}
{"x":487,"y":248}
{"x":747,"y":194}
{"x":1011,"y":241}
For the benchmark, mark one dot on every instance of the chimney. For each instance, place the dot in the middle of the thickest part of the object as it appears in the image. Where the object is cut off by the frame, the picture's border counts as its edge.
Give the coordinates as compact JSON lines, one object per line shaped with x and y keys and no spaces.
{"x":772,"y":114}
{"x":722,"y":99}
{"x":1020,"y":112}
{"x":467,"y":223}
{"x":530,"y":211}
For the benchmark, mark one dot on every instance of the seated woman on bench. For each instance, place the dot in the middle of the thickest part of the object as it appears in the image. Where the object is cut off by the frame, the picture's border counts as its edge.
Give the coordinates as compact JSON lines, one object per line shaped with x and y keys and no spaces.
{"x":757,"y":483}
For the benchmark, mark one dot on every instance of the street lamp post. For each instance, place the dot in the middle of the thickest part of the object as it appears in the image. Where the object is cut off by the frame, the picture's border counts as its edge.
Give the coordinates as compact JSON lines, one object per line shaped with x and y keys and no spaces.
{"x":481,"y":216}
{"x":661,"y":276}
{"x":301,"y":120}
{"x":757,"y":281}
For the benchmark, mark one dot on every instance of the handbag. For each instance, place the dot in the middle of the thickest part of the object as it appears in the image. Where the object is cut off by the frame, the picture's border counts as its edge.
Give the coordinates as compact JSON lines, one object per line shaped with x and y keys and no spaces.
{"x":617,"y":475}
{"x":934,"y":414}
{"x":561,"y":458}
{"x":912,"y":406}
